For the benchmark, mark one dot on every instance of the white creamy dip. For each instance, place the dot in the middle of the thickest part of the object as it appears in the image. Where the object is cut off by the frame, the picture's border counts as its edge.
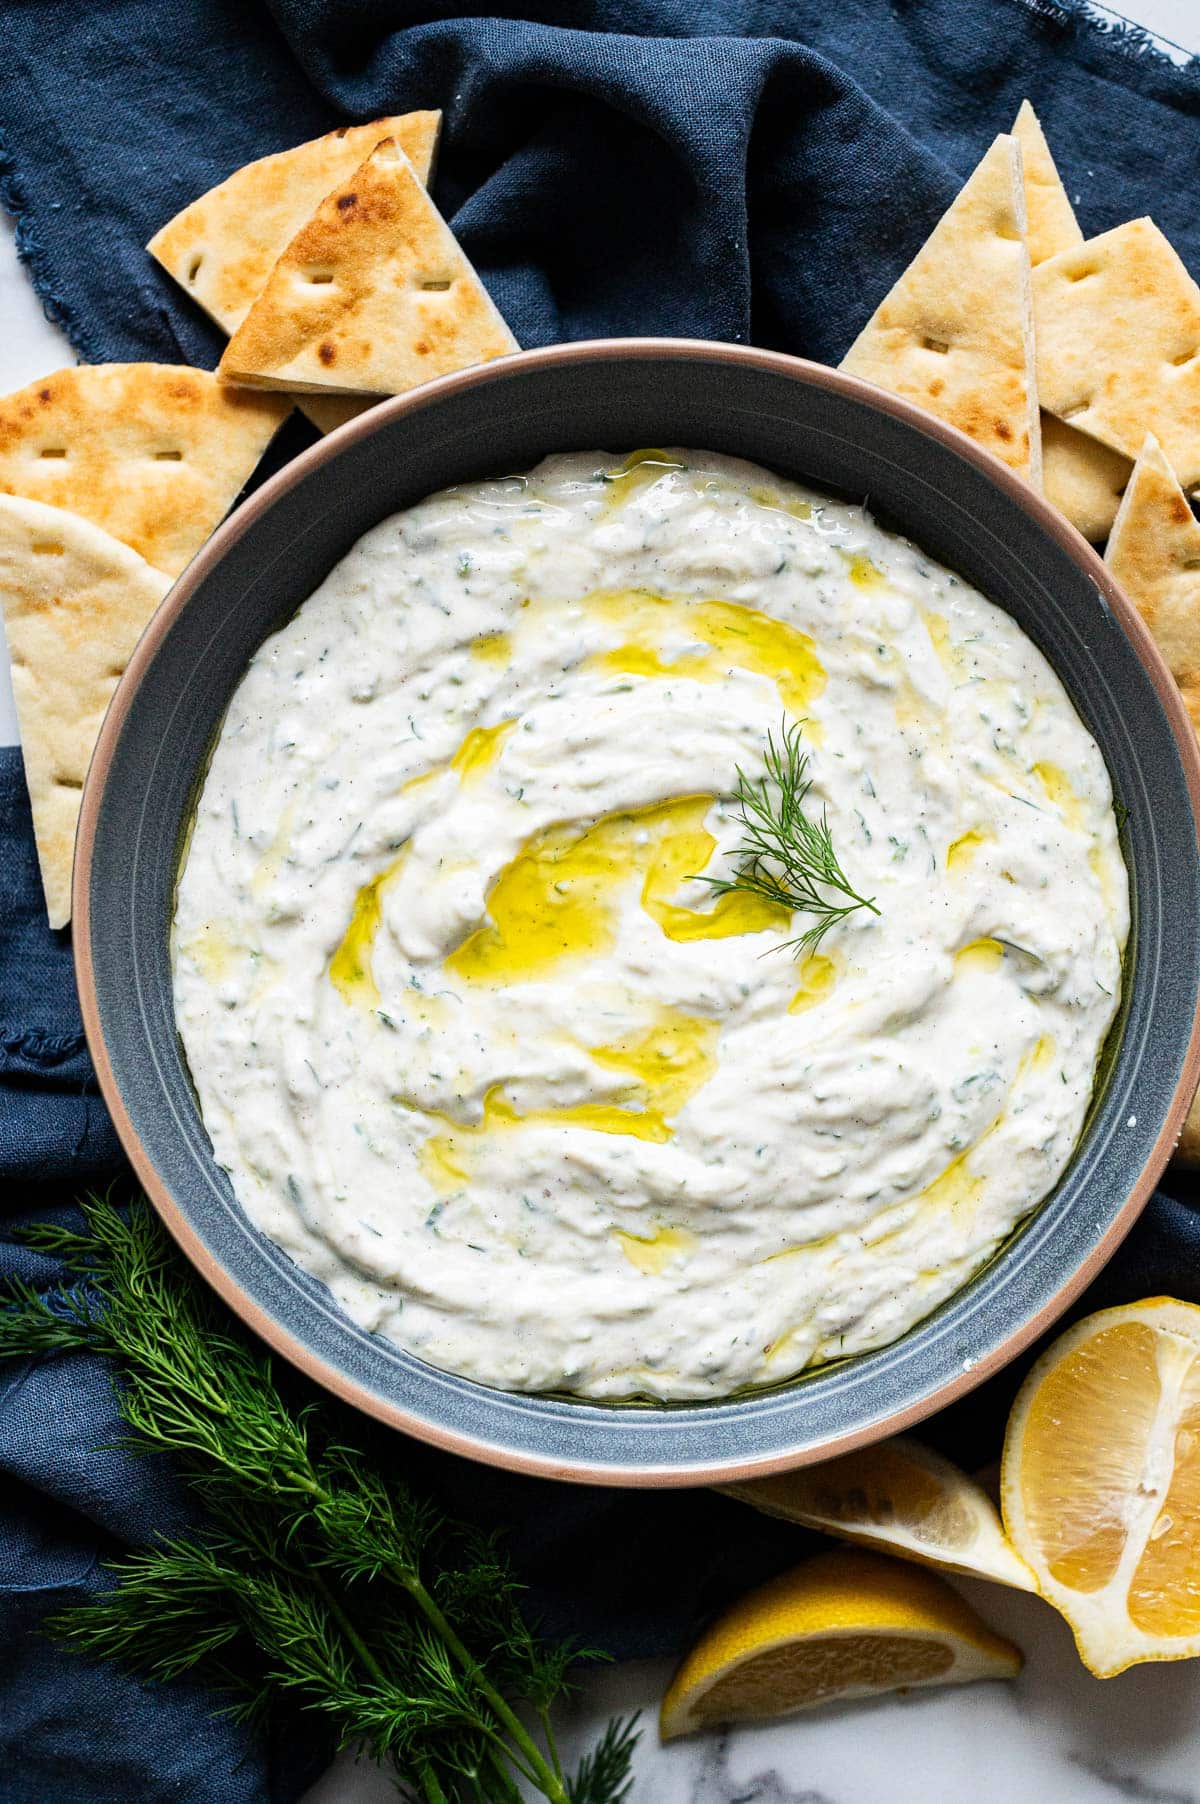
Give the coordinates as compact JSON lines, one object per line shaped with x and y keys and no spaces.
{"x":476,"y":1047}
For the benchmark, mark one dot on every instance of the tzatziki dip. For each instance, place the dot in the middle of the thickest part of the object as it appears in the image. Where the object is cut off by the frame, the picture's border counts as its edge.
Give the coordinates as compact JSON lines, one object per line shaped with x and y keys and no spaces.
{"x":483,"y":1039}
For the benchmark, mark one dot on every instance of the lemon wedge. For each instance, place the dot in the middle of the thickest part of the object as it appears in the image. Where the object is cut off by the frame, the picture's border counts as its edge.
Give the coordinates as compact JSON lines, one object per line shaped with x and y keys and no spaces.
{"x":900,"y":1496}
{"x":845,"y":1624}
{"x":1100,"y":1482}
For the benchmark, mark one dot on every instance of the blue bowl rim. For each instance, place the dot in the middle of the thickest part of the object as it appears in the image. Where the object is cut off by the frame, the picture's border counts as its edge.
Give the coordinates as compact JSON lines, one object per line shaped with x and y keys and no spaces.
{"x":266,"y":1326}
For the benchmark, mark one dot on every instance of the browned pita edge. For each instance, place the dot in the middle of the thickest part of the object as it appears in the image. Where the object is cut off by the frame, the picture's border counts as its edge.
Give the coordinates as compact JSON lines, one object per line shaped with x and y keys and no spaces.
{"x":1082,"y":478}
{"x":1154,"y":553}
{"x":373,"y":296}
{"x":955,"y":334}
{"x":1051,"y":225}
{"x":153,"y":453}
{"x":223,"y":247}
{"x":1118,"y":343}
{"x":74,"y":601}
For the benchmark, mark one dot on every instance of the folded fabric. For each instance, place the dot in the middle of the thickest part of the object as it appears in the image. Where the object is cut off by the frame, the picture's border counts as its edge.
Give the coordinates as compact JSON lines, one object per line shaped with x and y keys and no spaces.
{"x":742,"y":169}
{"x":754,"y":170}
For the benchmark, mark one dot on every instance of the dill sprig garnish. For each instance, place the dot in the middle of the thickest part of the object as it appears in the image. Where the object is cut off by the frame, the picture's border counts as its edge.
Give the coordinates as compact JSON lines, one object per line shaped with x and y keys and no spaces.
{"x":787,"y":856}
{"x":321,"y":1574}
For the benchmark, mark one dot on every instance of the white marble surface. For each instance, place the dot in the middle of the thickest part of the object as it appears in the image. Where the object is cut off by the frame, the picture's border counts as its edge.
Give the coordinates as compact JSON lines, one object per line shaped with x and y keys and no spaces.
{"x":1054,"y":1736}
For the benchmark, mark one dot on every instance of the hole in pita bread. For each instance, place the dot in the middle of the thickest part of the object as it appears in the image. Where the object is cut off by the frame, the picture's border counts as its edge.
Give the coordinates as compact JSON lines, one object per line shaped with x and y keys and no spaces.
{"x":435,"y":287}
{"x":319,"y":278}
{"x":53,"y":451}
{"x":68,"y":782}
{"x":47,"y":548}
{"x":168,"y":457}
{"x":935,"y":344}
{"x":1073,"y":413}
{"x":1185,"y":357}
{"x":1081,"y":274}
{"x":194,"y":268}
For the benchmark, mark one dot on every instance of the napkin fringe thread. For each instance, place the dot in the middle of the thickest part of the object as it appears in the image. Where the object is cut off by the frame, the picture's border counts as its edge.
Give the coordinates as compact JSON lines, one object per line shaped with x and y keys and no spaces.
{"x":32,"y":254}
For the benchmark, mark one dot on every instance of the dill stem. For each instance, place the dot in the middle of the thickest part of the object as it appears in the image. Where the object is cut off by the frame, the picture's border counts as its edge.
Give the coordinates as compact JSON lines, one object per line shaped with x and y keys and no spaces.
{"x":505,"y":1778}
{"x":342,"y":1617}
{"x":548,"y":1779}
{"x":538,"y":1769}
{"x":548,"y":1732}
{"x":427,"y":1779}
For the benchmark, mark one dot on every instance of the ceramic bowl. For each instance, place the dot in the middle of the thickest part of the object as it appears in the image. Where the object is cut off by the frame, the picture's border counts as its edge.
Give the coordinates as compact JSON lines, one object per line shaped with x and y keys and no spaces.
{"x":809,"y":423}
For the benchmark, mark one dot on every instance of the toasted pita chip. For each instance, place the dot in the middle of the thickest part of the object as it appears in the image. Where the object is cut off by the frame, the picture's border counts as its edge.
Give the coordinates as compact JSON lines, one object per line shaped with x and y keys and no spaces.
{"x":75,"y":602}
{"x":154,"y":453}
{"x":1118,"y":343}
{"x":1082,"y":478}
{"x":955,"y":335}
{"x":1154,"y":553}
{"x":372,"y":296}
{"x":327,"y":412}
{"x":1051,"y":225}
{"x":223,"y":247}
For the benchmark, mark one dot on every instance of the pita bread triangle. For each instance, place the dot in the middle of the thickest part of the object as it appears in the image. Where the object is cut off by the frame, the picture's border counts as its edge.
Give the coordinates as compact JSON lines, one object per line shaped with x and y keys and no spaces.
{"x":223,"y":247}
{"x":75,"y":602}
{"x":1118,"y":343}
{"x":1082,"y":478}
{"x":955,"y":335}
{"x":1051,"y":225}
{"x":372,"y":296}
{"x":153,"y":453}
{"x":328,"y":412}
{"x":1154,"y":553}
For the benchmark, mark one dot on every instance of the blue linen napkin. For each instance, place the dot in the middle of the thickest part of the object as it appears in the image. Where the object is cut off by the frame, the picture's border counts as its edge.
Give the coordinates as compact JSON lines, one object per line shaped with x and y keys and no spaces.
{"x":744,"y":169}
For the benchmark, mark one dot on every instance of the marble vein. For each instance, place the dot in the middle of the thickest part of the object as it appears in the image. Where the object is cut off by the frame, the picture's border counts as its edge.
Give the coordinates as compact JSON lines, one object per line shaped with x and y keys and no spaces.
{"x":1128,"y":1785}
{"x":715,"y":1786}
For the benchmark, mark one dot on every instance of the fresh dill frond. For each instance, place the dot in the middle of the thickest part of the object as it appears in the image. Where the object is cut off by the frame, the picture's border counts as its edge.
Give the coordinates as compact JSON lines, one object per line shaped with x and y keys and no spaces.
{"x":602,"y":1776}
{"x":787,"y":856}
{"x":320,"y":1575}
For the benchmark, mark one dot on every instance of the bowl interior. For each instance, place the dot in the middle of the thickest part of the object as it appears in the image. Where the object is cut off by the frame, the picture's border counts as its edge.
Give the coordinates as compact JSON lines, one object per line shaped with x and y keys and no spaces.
{"x":807,"y":424}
